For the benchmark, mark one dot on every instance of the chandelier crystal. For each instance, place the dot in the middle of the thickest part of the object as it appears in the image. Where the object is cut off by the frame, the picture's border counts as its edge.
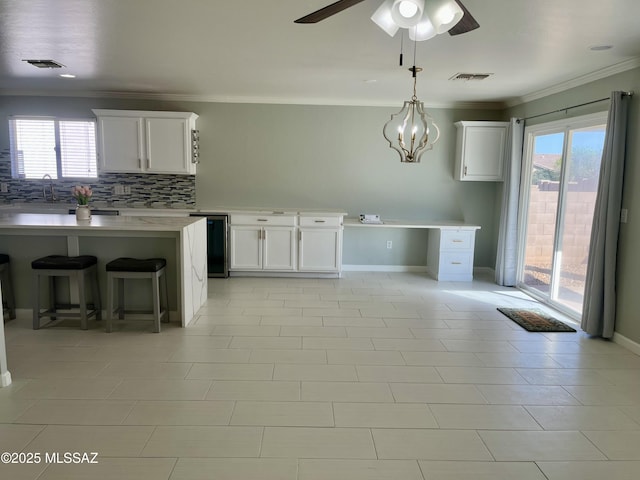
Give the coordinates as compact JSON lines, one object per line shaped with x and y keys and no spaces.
{"x":411,"y":131}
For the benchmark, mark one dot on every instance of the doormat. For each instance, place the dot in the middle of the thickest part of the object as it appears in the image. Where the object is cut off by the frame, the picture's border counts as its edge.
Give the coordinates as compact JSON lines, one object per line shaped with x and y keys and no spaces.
{"x":535,"y":320}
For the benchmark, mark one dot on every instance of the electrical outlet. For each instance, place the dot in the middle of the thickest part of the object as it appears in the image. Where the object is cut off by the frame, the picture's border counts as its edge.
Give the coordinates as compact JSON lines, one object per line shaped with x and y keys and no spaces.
{"x":389,"y":244}
{"x":127,"y":189}
{"x":624,"y":213}
{"x":4,"y":187}
{"x":118,"y":190}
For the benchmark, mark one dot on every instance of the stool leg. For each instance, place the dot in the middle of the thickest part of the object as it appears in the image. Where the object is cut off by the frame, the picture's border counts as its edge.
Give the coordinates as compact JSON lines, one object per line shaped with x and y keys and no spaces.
{"x":82,"y":298}
{"x":7,"y":291}
{"x":35,"y":301}
{"x":165,"y":295}
{"x":156,"y":302}
{"x":95,"y":287}
{"x":121,"y":298}
{"x":52,"y":296}
{"x":109,"y":302}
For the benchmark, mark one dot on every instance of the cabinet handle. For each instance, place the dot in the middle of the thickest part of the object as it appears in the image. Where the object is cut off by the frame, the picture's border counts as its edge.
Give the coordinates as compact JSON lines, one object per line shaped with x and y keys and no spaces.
{"x":263,"y":219}
{"x":319,"y":221}
{"x":465,"y":170}
{"x":264,"y":234}
{"x":456,"y":263}
{"x":457,"y":241}
{"x":148,"y":163}
{"x":300,"y":235}
{"x":140,"y":163}
{"x":260,"y":234}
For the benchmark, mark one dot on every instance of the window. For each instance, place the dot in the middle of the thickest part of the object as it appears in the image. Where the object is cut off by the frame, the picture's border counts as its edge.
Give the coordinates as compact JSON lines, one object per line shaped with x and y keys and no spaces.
{"x":49,"y":146}
{"x":560,"y":181}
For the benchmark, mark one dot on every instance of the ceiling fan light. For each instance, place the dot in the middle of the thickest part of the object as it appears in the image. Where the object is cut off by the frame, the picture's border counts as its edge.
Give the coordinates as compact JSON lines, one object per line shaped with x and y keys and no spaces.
{"x":407,"y":13}
{"x":423,"y":30}
{"x":382,"y":17}
{"x":444,"y":14}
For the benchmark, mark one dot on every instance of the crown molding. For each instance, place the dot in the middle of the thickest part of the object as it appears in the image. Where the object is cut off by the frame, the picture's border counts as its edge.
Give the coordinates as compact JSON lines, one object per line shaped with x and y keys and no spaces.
{"x":577,"y":82}
{"x":173,"y":97}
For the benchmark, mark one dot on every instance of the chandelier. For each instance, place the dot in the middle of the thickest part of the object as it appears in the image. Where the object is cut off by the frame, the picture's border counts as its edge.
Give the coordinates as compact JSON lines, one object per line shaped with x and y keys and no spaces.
{"x":423,"y":18}
{"x":411,"y":131}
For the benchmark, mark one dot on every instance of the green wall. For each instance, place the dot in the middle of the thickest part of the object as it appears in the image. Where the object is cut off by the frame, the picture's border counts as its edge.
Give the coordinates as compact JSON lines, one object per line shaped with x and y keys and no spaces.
{"x":318,"y":157}
{"x":628,"y":301}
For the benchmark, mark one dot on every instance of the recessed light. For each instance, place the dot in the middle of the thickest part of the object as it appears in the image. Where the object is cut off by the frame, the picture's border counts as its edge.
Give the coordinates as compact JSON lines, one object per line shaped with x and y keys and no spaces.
{"x":67,"y":75}
{"x":371,"y":80}
{"x":600,"y":48}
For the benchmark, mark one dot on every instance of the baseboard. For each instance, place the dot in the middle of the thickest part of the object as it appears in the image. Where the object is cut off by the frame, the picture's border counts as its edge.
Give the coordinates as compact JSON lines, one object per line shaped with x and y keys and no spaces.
{"x":384,"y":268}
{"x":240,"y":273}
{"x":626,"y":343}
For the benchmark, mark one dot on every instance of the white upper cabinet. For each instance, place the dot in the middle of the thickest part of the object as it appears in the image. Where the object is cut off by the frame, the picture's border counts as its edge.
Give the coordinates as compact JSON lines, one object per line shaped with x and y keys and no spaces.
{"x":133,"y":141}
{"x":480,"y":151}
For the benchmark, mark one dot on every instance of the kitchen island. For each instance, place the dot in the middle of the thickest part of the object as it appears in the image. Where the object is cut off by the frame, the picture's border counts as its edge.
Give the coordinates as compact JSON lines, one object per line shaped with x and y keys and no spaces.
{"x":181,"y":240}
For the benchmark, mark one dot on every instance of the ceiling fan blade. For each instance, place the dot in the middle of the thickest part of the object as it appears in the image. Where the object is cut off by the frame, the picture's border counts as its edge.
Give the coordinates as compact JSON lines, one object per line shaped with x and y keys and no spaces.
{"x":466,"y":23}
{"x":328,"y":11}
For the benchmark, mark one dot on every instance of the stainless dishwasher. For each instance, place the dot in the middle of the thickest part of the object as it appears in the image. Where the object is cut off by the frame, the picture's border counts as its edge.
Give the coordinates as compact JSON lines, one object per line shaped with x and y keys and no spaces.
{"x":217,"y":235}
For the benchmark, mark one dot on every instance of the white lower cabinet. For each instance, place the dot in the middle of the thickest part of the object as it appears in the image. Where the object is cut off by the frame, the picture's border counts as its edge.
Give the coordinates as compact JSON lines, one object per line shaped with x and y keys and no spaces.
{"x":245,"y":248}
{"x":275,"y":243}
{"x":320,"y":249}
{"x":450,"y":254}
{"x":262,"y":248}
{"x":279,"y":248}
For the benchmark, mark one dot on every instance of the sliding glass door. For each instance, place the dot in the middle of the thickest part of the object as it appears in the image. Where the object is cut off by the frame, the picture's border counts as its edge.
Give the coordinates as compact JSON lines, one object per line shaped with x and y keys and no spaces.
{"x":560,"y":180}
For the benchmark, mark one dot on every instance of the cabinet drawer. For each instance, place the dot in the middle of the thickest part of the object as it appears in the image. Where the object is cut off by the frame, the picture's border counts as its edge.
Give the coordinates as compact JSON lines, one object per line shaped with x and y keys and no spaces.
{"x":456,"y":263}
{"x":457,"y":240}
{"x":320,"y":221}
{"x":253,"y":219}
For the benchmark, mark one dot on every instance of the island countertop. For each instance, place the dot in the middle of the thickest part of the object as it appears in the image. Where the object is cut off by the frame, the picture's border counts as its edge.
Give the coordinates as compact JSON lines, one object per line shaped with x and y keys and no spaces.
{"x":126,"y":236}
{"x":27,"y":221}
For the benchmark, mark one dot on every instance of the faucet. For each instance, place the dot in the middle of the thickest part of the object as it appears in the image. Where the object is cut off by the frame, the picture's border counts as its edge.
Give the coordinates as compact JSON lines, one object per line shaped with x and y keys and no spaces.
{"x":54,"y":198}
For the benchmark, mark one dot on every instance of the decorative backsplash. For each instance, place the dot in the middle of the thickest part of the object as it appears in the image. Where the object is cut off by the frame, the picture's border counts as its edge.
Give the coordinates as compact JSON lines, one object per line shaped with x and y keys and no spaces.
{"x":174,"y":190}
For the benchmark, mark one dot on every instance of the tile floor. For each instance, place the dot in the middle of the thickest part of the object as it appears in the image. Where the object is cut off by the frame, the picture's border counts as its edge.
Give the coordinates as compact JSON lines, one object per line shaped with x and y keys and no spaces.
{"x":372,"y":376}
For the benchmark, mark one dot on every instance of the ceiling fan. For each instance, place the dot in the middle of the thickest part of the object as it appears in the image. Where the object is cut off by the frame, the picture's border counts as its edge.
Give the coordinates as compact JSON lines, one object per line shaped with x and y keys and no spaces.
{"x":411,"y":14}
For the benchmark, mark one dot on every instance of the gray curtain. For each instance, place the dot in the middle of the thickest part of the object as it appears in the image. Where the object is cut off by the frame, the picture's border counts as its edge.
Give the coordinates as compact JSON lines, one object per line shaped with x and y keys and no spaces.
{"x":599,"y":305}
{"x":507,"y":254}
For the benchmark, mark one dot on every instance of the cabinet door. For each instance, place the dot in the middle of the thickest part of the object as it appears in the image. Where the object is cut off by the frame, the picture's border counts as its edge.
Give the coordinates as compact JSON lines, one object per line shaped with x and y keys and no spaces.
{"x":168,"y":145}
{"x":320,"y":250}
{"x":279,"y":248}
{"x":120,"y":144}
{"x":245,"y":248}
{"x":480,"y":151}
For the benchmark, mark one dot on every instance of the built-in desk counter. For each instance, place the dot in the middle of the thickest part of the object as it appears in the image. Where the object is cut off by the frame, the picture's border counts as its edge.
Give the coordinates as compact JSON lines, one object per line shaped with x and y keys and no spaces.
{"x":451,"y":245}
{"x":182,"y":240}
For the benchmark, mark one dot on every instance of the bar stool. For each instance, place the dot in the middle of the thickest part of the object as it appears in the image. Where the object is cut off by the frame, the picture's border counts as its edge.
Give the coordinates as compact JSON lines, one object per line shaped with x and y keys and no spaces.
{"x":74,"y":268}
{"x":150,"y":268}
{"x":8,"y":297}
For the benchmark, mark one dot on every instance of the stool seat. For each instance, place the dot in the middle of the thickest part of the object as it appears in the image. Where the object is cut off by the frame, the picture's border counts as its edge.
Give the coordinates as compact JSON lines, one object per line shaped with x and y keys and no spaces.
{"x":62,"y":262}
{"x":4,"y":258}
{"x":125,"y":264}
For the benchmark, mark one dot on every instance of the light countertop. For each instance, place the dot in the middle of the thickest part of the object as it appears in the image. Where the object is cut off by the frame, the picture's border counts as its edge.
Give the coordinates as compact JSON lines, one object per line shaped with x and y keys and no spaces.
{"x":30,"y":221}
{"x":442,"y":224}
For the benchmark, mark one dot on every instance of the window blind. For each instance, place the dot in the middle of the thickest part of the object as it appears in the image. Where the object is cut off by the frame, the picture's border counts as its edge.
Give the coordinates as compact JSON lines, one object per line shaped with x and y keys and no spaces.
{"x":59,"y":148}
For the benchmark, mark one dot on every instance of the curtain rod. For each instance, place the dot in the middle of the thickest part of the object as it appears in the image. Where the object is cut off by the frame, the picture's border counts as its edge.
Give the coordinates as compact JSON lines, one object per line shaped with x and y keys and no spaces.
{"x":576,"y":106}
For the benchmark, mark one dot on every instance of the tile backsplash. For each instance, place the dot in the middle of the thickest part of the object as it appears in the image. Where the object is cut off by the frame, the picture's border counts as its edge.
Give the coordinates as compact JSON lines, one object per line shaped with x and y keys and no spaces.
{"x":174,"y":190}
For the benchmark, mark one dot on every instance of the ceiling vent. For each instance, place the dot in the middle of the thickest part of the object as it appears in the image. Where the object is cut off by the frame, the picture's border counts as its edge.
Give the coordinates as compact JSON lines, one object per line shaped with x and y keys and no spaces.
{"x":470,"y":76}
{"x":44,"y":63}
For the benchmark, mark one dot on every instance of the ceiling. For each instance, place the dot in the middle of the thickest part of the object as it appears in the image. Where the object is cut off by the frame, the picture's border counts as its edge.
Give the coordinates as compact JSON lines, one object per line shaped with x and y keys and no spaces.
{"x":251,"y":51}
